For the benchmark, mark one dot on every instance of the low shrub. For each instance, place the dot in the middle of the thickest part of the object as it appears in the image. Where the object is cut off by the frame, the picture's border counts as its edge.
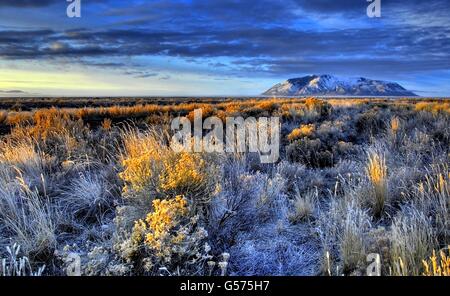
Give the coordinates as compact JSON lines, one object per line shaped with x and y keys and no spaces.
{"x":305,"y":130}
{"x":370,"y":123}
{"x":171,"y":239}
{"x":311,"y":153}
{"x":320,"y":106}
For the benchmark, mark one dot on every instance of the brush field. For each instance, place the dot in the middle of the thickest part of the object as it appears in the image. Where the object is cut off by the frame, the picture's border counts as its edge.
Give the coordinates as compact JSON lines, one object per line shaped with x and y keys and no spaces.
{"x":94,"y":181}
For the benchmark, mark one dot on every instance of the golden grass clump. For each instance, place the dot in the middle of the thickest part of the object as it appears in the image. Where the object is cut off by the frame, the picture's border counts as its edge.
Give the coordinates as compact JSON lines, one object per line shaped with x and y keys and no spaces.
{"x":395,"y":125}
{"x":141,"y":162}
{"x":48,"y":122}
{"x":323,"y":108}
{"x":183,"y":171}
{"x":22,"y":159}
{"x":437,"y":265}
{"x":3,"y":116}
{"x":376,"y":171}
{"x":305,"y":130}
{"x":207,"y":111}
{"x":106,"y":124}
{"x":434,"y":107}
{"x":152,"y":167}
{"x":21,"y":155}
{"x":268,"y":105}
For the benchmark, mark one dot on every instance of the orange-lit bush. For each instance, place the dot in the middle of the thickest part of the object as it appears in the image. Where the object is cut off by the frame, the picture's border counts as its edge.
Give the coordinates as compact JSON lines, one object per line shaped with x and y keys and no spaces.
{"x":320,"y":106}
{"x":434,"y":107}
{"x":183,"y":172}
{"x":141,"y":162}
{"x":305,"y":130}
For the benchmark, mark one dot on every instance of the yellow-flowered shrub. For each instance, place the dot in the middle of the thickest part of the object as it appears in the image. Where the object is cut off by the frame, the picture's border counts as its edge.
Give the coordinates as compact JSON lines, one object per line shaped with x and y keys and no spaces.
{"x":437,"y":265}
{"x":155,"y":230}
{"x":170,"y":236}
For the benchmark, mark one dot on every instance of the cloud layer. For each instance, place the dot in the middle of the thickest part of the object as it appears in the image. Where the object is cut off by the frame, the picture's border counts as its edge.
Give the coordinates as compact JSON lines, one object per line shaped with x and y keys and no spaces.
{"x":240,"y":38}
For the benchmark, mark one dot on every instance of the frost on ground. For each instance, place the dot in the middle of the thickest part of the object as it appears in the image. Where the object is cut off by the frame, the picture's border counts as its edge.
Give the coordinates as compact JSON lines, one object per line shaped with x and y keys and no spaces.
{"x":102,"y":187}
{"x":276,"y":249}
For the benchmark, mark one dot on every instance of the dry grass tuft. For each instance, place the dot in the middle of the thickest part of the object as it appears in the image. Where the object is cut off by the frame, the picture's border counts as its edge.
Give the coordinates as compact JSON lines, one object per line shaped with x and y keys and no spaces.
{"x":87,"y":197}
{"x":14,"y":265}
{"x":304,"y":207}
{"x":142,"y":161}
{"x":27,"y":218}
{"x":376,"y":171}
{"x":413,"y":238}
{"x":395,"y":125}
{"x":437,"y":265}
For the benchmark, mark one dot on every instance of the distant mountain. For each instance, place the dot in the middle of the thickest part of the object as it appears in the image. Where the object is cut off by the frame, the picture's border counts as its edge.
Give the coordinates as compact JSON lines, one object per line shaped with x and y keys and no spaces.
{"x":328,"y":85}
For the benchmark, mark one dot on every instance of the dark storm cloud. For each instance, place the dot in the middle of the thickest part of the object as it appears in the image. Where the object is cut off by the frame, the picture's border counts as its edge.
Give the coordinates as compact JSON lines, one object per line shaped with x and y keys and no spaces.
{"x":146,"y":75}
{"x":27,"y":3}
{"x":349,"y":66}
{"x":136,"y":71}
{"x":102,"y":64}
{"x":275,"y":42}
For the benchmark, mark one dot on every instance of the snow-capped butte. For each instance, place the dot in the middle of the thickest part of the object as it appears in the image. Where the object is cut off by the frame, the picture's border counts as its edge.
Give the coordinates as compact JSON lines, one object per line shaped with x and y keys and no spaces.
{"x":328,"y":85}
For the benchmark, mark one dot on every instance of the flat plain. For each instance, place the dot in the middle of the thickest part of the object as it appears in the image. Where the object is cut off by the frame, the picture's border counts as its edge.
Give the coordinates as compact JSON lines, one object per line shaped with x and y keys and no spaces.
{"x":95,"y":179}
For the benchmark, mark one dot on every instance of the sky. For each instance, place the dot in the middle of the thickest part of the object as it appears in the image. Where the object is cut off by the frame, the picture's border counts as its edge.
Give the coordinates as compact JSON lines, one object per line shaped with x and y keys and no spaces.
{"x":217,"y":47}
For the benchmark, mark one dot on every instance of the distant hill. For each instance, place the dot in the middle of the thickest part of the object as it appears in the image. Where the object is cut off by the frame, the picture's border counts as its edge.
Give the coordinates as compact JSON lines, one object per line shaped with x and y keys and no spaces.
{"x":328,"y":85}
